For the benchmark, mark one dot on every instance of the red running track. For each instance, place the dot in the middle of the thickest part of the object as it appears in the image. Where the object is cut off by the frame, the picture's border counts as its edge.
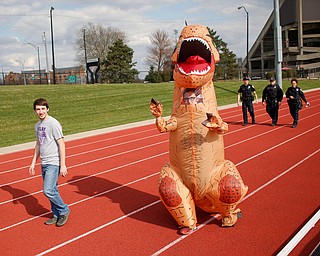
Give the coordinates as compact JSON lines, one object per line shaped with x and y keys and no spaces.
{"x":115,"y":209}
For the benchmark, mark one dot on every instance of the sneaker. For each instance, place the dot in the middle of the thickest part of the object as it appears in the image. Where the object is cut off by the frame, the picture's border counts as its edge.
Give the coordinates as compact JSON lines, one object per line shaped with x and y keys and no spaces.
{"x":63,"y":219}
{"x":244,"y":124}
{"x":51,"y":221}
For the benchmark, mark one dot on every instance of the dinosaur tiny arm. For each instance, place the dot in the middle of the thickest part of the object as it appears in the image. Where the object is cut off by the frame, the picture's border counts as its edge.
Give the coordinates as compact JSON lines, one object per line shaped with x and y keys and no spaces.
{"x":166,"y":126}
{"x":156,"y":109}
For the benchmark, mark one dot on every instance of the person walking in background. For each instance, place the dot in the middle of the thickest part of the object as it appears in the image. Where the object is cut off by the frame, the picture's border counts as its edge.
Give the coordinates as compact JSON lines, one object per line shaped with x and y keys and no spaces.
{"x":272,"y":95}
{"x":294,"y":95}
{"x":247,"y":94}
{"x":50,"y":146}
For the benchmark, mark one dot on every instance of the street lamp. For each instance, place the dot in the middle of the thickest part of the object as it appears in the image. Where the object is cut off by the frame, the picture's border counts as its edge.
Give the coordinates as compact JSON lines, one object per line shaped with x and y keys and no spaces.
{"x":85,"y":53}
{"x":38,"y":50}
{"x":52,"y":47}
{"x":22,"y":71}
{"x":247,"y":13}
{"x":45,"y":48}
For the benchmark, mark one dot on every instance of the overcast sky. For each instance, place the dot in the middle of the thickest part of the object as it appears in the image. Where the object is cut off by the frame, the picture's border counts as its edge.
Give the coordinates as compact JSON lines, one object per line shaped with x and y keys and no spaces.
{"x":26,"y":21}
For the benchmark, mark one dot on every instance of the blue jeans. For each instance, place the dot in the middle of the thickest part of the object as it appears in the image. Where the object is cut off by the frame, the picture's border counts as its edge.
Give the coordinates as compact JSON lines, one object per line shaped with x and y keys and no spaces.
{"x":50,"y":174}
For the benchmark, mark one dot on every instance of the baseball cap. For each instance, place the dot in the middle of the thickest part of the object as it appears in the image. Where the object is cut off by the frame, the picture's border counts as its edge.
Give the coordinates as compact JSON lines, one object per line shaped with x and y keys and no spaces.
{"x":272,"y":79}
{"x":245,"y":78}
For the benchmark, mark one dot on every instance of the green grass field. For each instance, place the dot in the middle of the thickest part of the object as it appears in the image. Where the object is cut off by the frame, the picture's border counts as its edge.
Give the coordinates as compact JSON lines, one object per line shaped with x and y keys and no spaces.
{"x":88,"y":107}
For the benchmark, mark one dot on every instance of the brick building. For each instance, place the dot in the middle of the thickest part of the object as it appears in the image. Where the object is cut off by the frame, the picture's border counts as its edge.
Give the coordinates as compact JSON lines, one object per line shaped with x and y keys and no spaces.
{"x":69,"y":75}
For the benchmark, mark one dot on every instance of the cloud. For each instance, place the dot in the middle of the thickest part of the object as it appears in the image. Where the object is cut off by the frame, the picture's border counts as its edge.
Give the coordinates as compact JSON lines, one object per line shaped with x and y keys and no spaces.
{"x":26,"y":20}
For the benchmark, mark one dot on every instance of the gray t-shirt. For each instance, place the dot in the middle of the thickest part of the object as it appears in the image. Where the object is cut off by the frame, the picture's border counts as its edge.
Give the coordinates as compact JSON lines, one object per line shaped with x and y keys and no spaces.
{"x":48,"y":132}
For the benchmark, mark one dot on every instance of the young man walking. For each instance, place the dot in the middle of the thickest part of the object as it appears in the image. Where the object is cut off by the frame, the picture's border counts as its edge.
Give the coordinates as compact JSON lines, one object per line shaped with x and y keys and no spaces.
{"x":272,"y":95}
{"x":247,"y":94}
{"x":50,"y":147}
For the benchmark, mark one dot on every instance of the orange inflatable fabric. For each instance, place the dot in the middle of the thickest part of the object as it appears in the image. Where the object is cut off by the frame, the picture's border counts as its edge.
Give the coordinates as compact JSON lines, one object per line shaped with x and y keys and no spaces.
{"x":197,"y":174}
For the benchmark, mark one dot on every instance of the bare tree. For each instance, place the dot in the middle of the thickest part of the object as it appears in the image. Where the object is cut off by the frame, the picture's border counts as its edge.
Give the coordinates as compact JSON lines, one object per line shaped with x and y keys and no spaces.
{"x":97,"y":40}
{"x":160,"y":50}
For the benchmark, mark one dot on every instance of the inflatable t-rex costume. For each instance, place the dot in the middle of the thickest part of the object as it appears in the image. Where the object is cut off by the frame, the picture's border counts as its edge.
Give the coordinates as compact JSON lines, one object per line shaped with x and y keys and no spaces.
{"x":197,"y":173}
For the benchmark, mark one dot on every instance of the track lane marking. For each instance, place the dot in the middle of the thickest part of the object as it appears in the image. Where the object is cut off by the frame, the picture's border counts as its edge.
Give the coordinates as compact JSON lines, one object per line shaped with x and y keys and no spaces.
{"x":245,"y":198}
{"x":233,"y":109}
{"x":115,"y":168}
{"x":101,"y":193}
{"x":86,"y":144}
{"x":91,"y":150}
{"x":89,"y":162}
{"x":158,"y":201}
{"x":231,"y":132}
{"x":98,"y":159}
{"x":300,"y":235}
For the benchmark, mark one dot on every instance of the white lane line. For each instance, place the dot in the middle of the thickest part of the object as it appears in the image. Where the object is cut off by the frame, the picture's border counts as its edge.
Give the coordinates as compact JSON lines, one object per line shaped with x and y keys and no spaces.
{"x":91,"y":161}
{"x":85,"y":152}
{"x":97,"y":149}
{"x":100,"y":227}
{"x":278,"y":145}
{"x":98,"y":159}
{"x":98,"y":132}
{"x":248,"y":196}
{"x":92,"y":150}
{"x":85,"y":144}
{"x":64,"y":184}
{"x":96,"y":195}
{"x":156,"y":202}
{"x":300,"y":235}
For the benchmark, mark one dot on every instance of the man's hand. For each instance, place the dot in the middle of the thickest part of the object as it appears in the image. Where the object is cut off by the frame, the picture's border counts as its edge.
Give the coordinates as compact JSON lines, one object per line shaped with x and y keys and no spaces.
{"x":156,"y":108}
{"x":31,"y":169}
{"x":63,"y":171}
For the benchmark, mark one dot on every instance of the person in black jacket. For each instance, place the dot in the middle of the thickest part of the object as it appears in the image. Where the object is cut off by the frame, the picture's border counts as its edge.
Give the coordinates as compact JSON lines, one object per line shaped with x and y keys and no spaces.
{"x":246,"y":94}
{"x":294,"y":95}
{"x":272,"y":95}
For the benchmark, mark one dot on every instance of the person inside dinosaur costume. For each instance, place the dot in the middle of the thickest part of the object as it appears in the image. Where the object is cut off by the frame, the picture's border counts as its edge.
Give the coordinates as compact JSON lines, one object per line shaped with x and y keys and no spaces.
{"x":197,"y":174}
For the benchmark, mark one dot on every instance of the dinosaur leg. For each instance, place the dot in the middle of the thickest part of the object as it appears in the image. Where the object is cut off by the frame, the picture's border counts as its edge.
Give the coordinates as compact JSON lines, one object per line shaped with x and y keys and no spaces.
{"x":226,"y":193}
{"x":177,"y":198}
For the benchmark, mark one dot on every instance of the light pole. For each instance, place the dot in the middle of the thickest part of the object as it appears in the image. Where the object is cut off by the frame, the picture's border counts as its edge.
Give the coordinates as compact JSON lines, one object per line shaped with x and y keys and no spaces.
{"x":3,"y":78}
{"x":45,"y":47}
{"x":22,"y":71}
{"x":38,"y":50}
{"x":85,"y":53}
{"x":52,"y":47}
{"x":247,"y":13}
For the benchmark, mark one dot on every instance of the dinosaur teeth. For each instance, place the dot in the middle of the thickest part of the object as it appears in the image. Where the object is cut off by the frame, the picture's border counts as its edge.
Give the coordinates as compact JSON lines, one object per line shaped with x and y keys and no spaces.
{"x":195,"y":72}
{"x":190,"y":39}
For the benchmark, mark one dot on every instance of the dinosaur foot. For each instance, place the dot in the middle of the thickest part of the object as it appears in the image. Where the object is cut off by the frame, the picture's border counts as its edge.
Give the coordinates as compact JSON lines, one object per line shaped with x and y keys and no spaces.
{"x":230,"y":221}
{"x":186,"y":230}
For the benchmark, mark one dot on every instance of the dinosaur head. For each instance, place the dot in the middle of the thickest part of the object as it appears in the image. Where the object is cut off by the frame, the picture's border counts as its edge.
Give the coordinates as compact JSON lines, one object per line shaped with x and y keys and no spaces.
{"x":194,"y":58}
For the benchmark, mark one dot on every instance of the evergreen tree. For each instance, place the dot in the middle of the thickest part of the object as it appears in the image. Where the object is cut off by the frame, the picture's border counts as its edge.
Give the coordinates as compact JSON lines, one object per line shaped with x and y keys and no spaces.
{"x":153,"y":76}
{"x":118,"y":64}
{"x":227,"y":67}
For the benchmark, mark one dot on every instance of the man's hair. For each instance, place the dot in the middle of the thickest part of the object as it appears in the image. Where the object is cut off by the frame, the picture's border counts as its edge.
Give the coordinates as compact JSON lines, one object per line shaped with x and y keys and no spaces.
{"x":40,"y":102}
{"x":294,"y":79}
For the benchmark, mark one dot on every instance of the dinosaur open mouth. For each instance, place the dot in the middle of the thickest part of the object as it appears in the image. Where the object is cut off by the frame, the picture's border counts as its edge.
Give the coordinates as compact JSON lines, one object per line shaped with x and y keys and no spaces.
{"x":194,"y":56}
